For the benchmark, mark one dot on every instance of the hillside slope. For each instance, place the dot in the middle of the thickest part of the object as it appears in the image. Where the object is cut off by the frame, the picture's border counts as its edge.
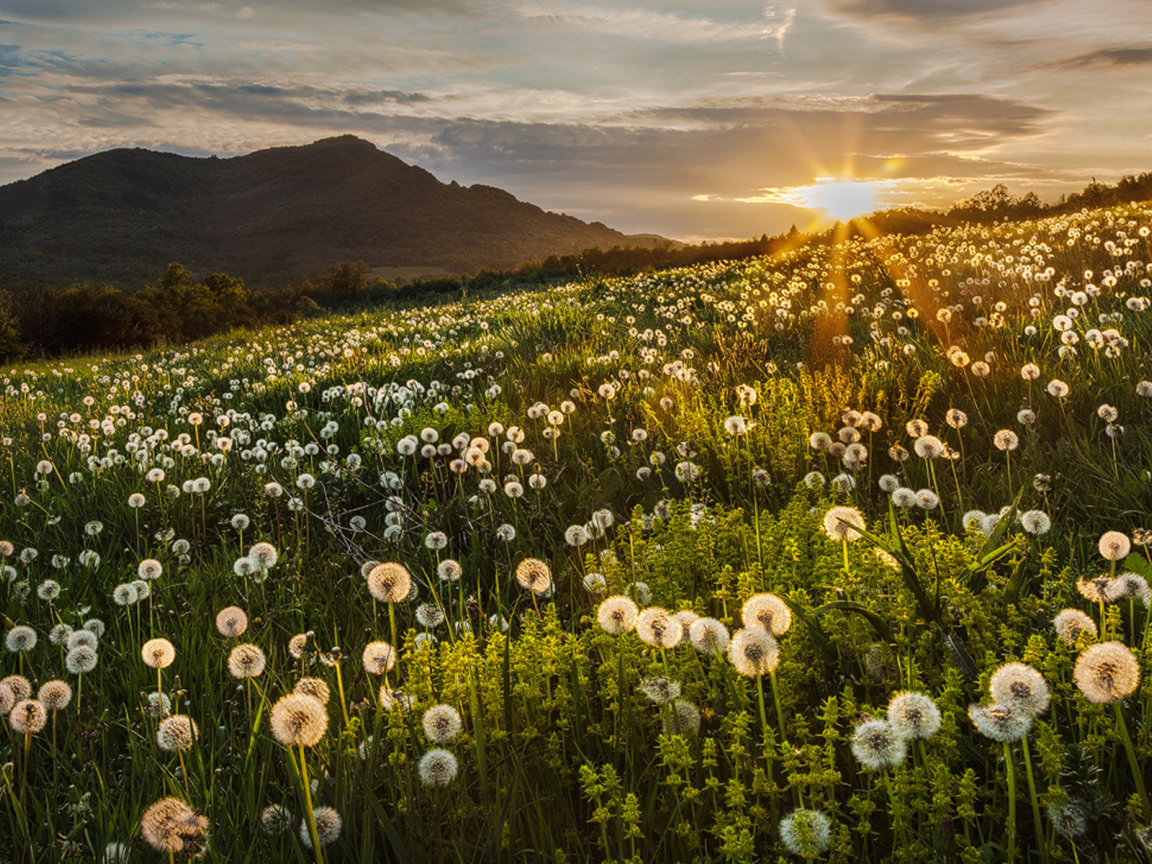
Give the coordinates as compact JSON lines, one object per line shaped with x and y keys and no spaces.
{"x":121,"y":216}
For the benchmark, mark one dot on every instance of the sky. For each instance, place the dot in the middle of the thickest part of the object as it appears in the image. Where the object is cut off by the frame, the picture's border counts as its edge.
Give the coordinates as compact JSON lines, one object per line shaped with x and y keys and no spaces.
{"x":694,"y":120}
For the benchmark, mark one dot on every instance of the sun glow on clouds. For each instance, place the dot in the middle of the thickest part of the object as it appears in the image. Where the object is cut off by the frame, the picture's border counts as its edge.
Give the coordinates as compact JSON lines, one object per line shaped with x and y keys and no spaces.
{"x":832,"y":197}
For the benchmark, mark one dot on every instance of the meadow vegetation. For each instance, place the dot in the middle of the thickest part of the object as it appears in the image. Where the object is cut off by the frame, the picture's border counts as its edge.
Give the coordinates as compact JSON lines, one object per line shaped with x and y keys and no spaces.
{"x":837,"y":554}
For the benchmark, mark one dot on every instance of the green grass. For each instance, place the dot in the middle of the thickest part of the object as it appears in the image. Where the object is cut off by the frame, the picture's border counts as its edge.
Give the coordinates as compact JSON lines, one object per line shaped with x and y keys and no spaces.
{"x":562,"y":756}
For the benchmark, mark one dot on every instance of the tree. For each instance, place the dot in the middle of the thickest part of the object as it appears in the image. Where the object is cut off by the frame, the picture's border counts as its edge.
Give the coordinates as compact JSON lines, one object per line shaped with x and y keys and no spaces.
{"x":10,"y":345}
{"x":345,"y":279}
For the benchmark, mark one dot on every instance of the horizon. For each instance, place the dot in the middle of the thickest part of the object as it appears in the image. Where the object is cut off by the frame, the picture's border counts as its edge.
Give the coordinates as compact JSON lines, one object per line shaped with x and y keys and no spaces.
{"x":674,"y":118}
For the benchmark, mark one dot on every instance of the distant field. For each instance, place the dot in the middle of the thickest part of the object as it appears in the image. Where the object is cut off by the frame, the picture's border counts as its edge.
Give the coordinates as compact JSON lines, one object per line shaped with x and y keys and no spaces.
{"x":631,"y":569}
{"x":406,"y":274}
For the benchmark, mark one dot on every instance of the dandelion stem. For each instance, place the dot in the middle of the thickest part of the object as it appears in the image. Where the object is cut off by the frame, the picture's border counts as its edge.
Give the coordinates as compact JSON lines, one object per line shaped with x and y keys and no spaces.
{"x":340,"y":687}
{"x":1041,"y":836}
{"x":897,"y":817}
{"x":392,"y":623}
{"x":308,"y":807}
{"x":766,"y":737}
{"x":1011,"y":802}
{"x":184,"y":773}
{"x":1133,"y":763}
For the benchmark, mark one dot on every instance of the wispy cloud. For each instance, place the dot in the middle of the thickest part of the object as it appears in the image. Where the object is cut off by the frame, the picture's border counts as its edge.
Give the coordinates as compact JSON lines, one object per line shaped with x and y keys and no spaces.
{"x":650,"y":115}
{"x":1105,"y":58}
{"x":656,"y":26}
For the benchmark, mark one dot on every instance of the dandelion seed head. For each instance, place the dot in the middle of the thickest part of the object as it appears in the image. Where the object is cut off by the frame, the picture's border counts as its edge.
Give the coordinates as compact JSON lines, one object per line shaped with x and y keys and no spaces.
{"x":378,"y":658}
{"x":389,"y":582}
{"x":929,"y":447}
{"x":81,"y":660}
{"x":1021,"y":688}
{"x":1070,"y":623}
{"x":1035,"y":522}
{"x":999,"y":722}
{"x":20,"y":639}
{"x":641,"y":592}
{"x":685,"y":719}
{"x":904,"y":497}
{"x":1095,"y":590}
{"x":158,"y":653}
{"x":275,"y":819}
{"x":170,"y":825}
{"x":317,"y":688}
{"x":753,"y":652}
{"x":768,"y":612}
{"x":299,"y":720}
{"x":1106,"y":672}
{"x":437,"y":768}
{"x":231,"y":622}
{"x":159,"y":705}
{"x":736,"y":425}
{"x":685,"y":618}
{"x":264,"y":554}
{"x":576,"y":535}
{"x":617,"y":614}
{"x":177,"y":733}
{"x":297,"y":644}
{"x":926,"y":499}
{"x":656,"y":627}
{"x":1069,"y":820}
{"x":1128,"y":586}
{"x":81,"y":637}
{"x":390,"y":699}
{"x":18,"y":686}
{"x":54,"y":695}
{"x":837,"y":530}
{"x":595,"y":583}
{"x":246,"y":661}
{"x":1006,"y":439}
{"x":149,"y":569}
{"x":441,"y":724}
{"x":1114,"y":545}
{"x":449,"y":570}
{"x":877,"y":746}
{"x":532,"y":574}
{"x":245,"y":567}
{"x":660,"y":690}
{"x":328,"y":825}
{"x":914,"y":715}
{"x":807,"y":833}
{"x":709,"y":636}
{"x":28,"y":716}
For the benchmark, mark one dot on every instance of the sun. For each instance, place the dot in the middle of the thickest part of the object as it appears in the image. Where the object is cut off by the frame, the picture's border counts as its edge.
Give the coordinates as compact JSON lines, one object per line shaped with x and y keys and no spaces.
{"x":839,"y":198}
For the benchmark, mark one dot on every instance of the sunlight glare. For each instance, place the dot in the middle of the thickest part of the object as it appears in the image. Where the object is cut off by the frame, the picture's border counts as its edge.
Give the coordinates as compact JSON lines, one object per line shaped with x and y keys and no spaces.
{"x":840,"y":199}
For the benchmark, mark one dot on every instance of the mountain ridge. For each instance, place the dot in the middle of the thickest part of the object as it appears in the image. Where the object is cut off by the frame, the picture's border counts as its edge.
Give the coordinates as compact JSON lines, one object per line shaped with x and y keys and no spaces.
{"x":120,"y":216}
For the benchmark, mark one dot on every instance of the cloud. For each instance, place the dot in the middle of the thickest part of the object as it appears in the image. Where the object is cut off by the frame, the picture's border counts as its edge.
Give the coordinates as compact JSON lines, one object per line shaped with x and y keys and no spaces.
{"x":667,"y":27}
{"x":378,"y":96}
{"x":86,"y":11}
{"x":1106,"y":58}
{"x":928,"y":11}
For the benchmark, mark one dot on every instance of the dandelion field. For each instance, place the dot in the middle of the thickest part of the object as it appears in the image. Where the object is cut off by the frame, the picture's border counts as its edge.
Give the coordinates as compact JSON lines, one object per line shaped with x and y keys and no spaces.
{"x":839,"y":555}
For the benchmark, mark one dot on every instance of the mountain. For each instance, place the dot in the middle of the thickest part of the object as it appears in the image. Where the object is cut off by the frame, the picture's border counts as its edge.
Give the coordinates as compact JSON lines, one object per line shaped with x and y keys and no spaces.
{"x":121,"y":216}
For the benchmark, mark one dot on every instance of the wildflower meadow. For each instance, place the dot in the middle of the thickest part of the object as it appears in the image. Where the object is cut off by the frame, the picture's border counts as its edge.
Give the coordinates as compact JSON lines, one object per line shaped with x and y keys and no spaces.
{"x":836,"y":555}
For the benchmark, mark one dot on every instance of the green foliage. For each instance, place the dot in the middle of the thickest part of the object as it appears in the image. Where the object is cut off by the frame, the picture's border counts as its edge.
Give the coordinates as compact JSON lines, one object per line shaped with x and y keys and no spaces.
{"x":594,"y":428}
